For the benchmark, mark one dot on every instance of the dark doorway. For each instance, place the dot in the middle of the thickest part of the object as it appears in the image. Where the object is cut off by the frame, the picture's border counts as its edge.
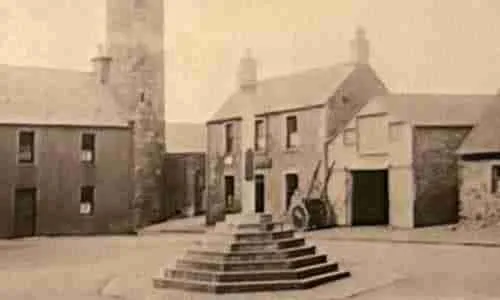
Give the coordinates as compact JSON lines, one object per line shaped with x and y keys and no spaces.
{"x":259,"y":193}
{"x":198,"y":192}
{"x":370,"y":198}
{"x":25,"y":212}
{"x":229,"y":191}
{"x":291,"y":184}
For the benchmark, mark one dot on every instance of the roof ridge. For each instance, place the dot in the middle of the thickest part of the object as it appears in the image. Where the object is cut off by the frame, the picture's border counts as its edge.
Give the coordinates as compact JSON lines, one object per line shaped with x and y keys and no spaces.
{"x":304,"y":71}
{"x":430,"y":94}
{"x":42,"y":68}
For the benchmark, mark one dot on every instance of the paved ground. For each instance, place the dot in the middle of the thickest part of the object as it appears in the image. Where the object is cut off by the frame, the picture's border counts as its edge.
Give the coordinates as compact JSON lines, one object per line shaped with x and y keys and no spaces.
{"x":98,"y":268}
{"x":427,"y":235}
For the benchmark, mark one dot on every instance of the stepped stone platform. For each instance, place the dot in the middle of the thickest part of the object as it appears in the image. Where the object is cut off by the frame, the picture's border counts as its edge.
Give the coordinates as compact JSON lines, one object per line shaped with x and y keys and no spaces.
{"x":250,"y":254}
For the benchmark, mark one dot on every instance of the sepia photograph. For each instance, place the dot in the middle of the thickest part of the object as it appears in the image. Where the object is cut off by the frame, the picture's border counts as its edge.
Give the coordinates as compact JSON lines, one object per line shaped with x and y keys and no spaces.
{"x":249,"y":149}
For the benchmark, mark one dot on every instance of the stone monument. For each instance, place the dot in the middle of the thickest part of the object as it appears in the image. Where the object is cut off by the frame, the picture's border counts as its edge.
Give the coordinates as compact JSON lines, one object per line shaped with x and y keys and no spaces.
{"x":249,"y":254}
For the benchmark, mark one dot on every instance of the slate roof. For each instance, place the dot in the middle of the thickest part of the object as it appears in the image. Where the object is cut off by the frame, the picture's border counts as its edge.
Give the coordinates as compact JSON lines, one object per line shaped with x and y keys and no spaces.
{"x":485,"y":137}
{"x":185,"y":137}
{"x":437,"y":109}
{"x":303,"y":89}
{"x":42,"y":96}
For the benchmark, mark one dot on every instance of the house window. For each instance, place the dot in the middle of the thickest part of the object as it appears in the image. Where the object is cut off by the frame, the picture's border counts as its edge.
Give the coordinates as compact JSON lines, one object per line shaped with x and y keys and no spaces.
{"x":26,"y":149}
{"x":229,"y":134}
{"x":292,"y":138}
{"x":395,"y":130}
{"x":88,"y":148}
{"x":260,"y":135}
{"x":495,"y":179}
{"x":87,"y":200}
{"x":372,"y":135}
{"x":349,"y":137}
{"x":139,"y":4}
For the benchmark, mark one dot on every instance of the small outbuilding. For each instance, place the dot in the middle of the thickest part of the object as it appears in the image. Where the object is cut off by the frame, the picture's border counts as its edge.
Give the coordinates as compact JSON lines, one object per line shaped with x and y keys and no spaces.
{"x":480,"y":169}
{"x":184,"y":166}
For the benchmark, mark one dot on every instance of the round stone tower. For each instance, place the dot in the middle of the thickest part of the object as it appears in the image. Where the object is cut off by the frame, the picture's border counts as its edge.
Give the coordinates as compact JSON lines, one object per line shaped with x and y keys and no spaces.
{"x":134,"y":36}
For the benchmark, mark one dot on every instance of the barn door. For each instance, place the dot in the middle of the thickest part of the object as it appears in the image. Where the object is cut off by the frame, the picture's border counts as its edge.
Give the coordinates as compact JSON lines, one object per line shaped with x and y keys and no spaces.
{"x":370,"y":198}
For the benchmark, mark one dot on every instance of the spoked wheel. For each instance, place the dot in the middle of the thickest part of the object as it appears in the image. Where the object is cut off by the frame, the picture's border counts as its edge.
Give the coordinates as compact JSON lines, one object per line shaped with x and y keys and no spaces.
{"x":299,"y":217}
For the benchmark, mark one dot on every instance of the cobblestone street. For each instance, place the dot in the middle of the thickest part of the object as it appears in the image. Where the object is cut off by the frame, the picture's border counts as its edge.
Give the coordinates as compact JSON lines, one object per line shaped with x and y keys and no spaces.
{"x":122,"y":268}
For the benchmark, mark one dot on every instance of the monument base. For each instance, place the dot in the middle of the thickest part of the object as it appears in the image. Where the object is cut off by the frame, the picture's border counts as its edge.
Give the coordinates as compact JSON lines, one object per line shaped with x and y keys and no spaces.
{"x":250,"y":253}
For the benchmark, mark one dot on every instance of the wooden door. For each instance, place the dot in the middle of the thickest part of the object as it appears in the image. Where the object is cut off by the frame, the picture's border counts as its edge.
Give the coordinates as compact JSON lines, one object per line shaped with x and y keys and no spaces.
{"x":25,"y":212}
{"x":370,"y":198}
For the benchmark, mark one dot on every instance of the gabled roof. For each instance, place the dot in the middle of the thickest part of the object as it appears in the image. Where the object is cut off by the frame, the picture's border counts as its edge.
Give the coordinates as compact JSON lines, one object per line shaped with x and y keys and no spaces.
{"x":42,"y":96}
{"x":485,"y":137}
{"x":185,"y":137}
{"x":299,"y":90}
{"x":436,"y":110}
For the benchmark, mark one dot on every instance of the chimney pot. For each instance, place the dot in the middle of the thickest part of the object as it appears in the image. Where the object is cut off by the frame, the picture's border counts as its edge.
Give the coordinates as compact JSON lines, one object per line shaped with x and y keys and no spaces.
{"x":102,"y":62}
{"x":360,"y":47}
{"x":248,"y":71}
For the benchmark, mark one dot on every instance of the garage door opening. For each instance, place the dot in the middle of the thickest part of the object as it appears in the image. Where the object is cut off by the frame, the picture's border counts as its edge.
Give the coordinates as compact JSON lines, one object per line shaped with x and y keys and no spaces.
{"x":370,"y":198}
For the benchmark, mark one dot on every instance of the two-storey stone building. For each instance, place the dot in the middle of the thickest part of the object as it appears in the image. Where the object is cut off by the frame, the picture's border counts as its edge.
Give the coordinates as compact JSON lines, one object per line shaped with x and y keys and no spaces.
{"x":270,"y":134}
{"x":82,"y":151}
{"x":66,"y":158}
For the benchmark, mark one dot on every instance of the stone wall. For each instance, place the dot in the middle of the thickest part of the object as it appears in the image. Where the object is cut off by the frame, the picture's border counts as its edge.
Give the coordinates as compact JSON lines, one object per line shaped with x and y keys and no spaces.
{"x":477,"y":202}
{"x":231,"y":164}
{"x":183,"y":191}
{"x":58,"y":174}
{"x":148,"y":175}
{"x":436,"y":174}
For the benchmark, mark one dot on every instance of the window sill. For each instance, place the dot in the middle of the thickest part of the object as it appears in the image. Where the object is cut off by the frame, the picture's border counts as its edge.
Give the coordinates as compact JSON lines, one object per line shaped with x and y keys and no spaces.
{"x":26,"y":164}
{"x":260,"y":152}
{"x":292,"y":149}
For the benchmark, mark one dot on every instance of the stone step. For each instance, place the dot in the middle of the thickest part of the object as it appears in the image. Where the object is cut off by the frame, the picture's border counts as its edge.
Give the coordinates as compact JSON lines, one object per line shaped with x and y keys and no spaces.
{"x":275,"y":225}
{"x":226,"y":255}
{"x":247,"y":286}
{"x":252,"y":235}
{"x":249,"y":218}
{"x":256,"y":236}
{"x":307,"y":260}
{"x":269,"y":264}
{"x":267,"y":245}
{"x":265,"y":275}
{"x":211,"y":265}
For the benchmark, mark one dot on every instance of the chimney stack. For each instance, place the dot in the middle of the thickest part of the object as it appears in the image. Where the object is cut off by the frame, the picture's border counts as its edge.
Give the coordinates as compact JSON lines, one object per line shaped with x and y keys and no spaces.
{"x":360,"y":47}
{"x":247,"y":75}
{"x":102,"y":63}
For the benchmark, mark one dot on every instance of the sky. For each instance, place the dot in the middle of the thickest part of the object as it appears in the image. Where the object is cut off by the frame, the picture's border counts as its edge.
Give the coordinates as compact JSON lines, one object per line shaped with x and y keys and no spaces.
{"x":425,"y":46}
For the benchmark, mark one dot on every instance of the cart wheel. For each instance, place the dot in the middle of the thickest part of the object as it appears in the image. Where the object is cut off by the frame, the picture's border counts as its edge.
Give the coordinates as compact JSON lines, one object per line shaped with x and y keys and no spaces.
{"x":300,"y":217}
